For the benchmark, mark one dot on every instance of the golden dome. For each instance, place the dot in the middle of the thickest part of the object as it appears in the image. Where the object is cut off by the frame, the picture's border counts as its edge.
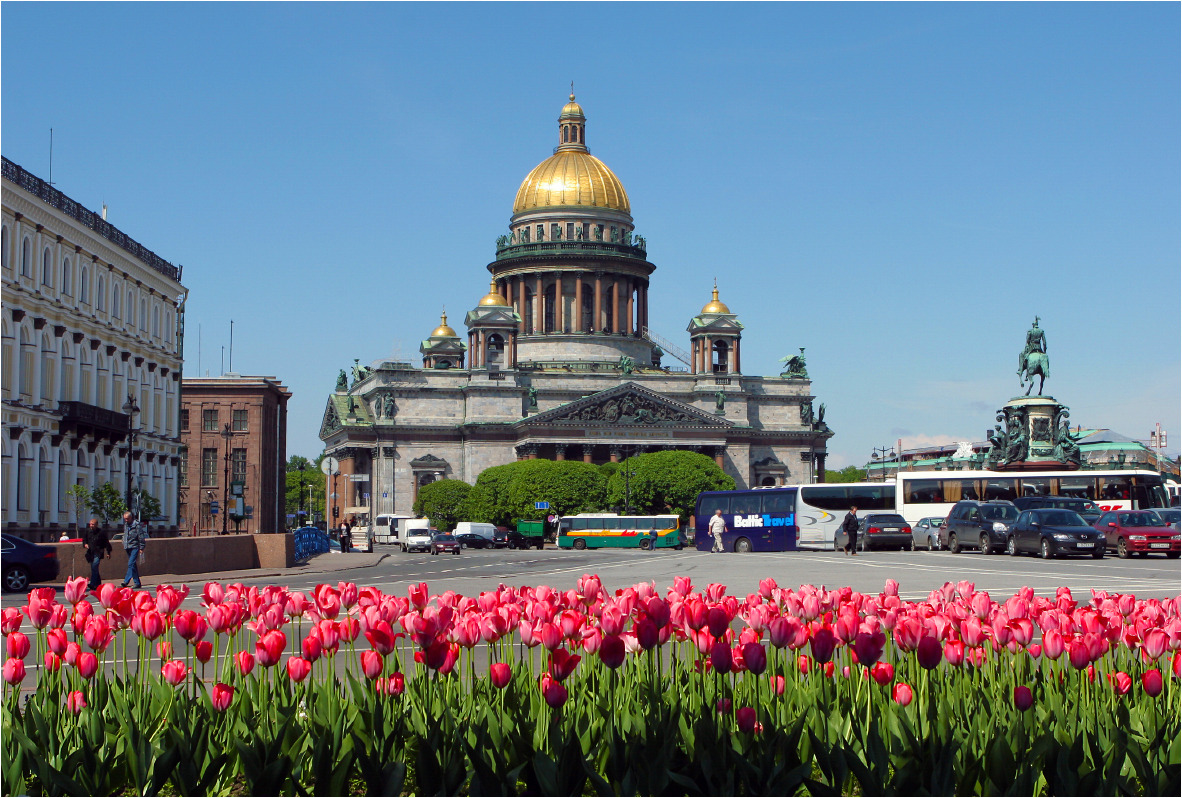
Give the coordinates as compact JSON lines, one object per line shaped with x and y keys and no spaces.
{"x":572,"y":176}
{"x":493,"y":298}
{"x":443,"y":331}
{"x":714,"y":306}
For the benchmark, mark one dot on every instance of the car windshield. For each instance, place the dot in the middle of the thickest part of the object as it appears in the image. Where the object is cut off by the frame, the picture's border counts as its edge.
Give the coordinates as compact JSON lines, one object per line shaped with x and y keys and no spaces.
{"x":885,"y":519}
{"x":999,"y":512}
{"x":1141,"y":519}
{"x":1062,"y":518}
{"x":445,"y":539}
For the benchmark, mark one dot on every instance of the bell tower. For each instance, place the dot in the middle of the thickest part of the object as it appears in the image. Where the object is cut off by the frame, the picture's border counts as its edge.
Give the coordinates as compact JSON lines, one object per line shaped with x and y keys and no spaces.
{"x":715,"y":334}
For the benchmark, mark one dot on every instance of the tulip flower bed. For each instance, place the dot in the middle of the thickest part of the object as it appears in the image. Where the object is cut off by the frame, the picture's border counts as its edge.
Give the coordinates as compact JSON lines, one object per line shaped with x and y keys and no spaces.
{"x":532,"y":691}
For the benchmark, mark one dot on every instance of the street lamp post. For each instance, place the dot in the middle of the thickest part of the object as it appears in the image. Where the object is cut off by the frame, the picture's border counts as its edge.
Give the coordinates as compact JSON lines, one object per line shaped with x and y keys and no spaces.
{"x":227,"y":435}
{"x":881,"y":453}
{"x":130,"y":409}
{"x":628,"y":474}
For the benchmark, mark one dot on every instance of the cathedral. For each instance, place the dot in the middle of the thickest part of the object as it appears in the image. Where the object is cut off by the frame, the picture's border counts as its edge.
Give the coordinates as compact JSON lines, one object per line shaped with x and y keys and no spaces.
{"x":559,"y":363}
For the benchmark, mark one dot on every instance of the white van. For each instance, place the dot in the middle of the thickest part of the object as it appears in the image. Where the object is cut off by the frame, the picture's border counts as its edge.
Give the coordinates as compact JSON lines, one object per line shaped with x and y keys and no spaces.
{"x":385,"y":528}
{"x":486,"y":531}
{"x":414,"y":534}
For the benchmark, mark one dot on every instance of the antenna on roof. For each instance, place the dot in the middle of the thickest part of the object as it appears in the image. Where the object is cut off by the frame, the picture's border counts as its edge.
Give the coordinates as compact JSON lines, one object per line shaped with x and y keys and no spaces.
{"x":231,"y":345}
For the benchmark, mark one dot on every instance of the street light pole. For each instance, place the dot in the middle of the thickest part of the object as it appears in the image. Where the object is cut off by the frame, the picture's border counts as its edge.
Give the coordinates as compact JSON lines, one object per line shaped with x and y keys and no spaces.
{"x":881,"y":453}
{"x":130,"y":408}
{"x":227,"y":435}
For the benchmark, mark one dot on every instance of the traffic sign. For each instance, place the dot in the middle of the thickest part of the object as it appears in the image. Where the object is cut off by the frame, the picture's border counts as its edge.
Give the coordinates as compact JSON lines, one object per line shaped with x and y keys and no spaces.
{"x":330,"y":466}
{"x":213,"y":507}
{"x":541,"y":505}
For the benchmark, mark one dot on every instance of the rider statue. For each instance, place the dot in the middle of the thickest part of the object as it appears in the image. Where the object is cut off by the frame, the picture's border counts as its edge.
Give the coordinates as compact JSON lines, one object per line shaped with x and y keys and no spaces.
{"x":1036,"y":341}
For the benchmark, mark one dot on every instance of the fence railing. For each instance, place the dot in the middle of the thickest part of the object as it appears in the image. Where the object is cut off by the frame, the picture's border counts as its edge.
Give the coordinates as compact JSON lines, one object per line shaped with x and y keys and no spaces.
{"x":309,"y":541}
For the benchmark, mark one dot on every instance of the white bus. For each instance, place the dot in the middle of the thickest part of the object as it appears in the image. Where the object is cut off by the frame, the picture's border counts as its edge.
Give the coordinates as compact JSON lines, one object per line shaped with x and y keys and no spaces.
{"x":821,"y":507}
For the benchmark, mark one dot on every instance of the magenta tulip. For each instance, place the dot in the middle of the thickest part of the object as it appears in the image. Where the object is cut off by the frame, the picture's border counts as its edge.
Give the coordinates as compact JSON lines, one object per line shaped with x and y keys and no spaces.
{"x":612,"y":651}
{"x":754,"y":658}
{"x":298,"y":668}
{"x":1121,"y":682}
{"x":221,"y":696}
{"x":929,"y":652}
{"x":87,"y":665}
{"x":720,"y":657}
{"x":823,"y":642}
{"x":174,"y":672}
{"x":245,"y":662}
{"x":1155,"y":642}
{"x":372,"y":664}
{"x":1151,"y":682}
{"x":18,"y":644}
{"x":553,"y":692}
{"x":1023,"y":698}
{"x":14,"y":670}
{"x":717,"y":621}
{"x":869,"y":647}
{"x":203,"y":651}
{"x":746,"y":719}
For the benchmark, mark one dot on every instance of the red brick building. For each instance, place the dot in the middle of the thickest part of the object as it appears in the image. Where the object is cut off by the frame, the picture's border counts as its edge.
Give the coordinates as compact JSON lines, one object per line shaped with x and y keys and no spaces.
{"x":233,"y":439}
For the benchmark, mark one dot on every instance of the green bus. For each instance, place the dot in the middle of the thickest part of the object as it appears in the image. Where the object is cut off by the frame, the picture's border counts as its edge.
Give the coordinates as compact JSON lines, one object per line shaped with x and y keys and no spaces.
{"x":599,"y":530}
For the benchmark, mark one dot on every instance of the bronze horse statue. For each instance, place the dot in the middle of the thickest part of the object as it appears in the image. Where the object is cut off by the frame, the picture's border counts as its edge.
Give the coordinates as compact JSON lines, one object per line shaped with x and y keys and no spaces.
{"x":1036,"y":363}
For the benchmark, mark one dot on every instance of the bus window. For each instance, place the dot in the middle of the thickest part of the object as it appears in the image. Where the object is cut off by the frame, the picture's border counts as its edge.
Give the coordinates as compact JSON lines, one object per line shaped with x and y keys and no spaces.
{"x":925,"y":491}
{"x":779,"y":501}
{"x":998,"y":488}
{"x":1145,"y":495}
{"x":1115,"y":488}
{"x":1078,"y":487}
{"x":1036,"y":486}
{"x":745,"y":503}
{"x":825,"y":497}
{"x":708,"y":503}
{"x":871,"y":497}
{"x":666,"y":523}
{"x":955,"y":490}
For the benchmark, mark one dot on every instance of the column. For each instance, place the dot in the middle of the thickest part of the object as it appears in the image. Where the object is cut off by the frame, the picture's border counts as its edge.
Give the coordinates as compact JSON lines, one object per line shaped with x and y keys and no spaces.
{"x":559,"y":315}
{"x":719,"y":453}
{"x":560,"y":451}
{"x":597,"y":322}
{"x":588,"y":449}
{"x":642,"y":299}
{"x":13,"y":472}
{"x":628,"y":315}
{"x":615,"y":325}
{"x":820,"y":467}
{"x":35,"y":478}
{"x":539,"y":307}
{"x":513,"y":344}
{"x":521,"y":304}
{"x":615,"y":452}
{"x":735,"y":368}
{"x":578,"y":309}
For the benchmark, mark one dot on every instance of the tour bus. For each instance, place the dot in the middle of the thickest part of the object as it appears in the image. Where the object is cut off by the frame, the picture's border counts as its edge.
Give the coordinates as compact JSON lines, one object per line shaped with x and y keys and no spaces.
{"x":599,"y":530}
{"x":759,"y":519}
{"x":821,"y":508}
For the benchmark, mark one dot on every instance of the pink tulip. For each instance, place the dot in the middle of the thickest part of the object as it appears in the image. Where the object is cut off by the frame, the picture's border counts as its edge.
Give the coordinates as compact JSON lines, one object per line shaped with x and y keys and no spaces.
{"x":777,"y":684}
{"x":393,"y":685}
{"x":804,"y":664}
{"x":190,"y":625}
{"x":244,"y":660}
{"x":1155,"y":642}
{"x":312,"y":648}
{"x":612,"y":651}
{"x":71,"y":654}
{"x":372,"y":664}
{"x":76,"y":589}
{"x":1079,"y":654}
{"x":87,"y":664}
{"x":76,"y":702}
{"x":1151,"y":682}
{"x":891,"y":588}
{"x":696,"y":614}
{"x":151,"y":625}
{"x":98,"y":634}
{"x":1023,"y":698}
{"x":40,"y":607}
{"x":1053,"y":644}
{"x":174,"y":672}
{"x":500,"y":674}
{"x":14,"y":670}
{"x":203,"y":651}
{"x":553,"y":692}
{"x":18,"y":644}
{"x":164,"y":649}
{"x":53,"y":662}
{"x":902,"y":694}
{"x":298,"y":668}
{"x":10,"y":620}
{"x":551,"y":636}
{"x":221,"y":696}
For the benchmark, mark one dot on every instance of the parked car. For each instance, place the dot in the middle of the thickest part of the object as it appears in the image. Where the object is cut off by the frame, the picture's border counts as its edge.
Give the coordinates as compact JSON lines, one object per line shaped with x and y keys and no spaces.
{"x":501,"y":537}
{"x":1051,"y":533}
{"x":1142,"y":532}
{"x":444,"y":543}
{"x":1087,"y":508}
{"x":926,"y":532}
{"x":982,"y":524}
{"x":879,"y":531}
{"x":474,"y":541}
{"x":1172,"y":516}
{"x":26,"y":563}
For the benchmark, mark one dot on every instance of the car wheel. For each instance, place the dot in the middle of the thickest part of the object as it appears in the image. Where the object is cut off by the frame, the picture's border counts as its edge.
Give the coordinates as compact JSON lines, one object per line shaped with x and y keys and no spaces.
{"x":742,"y":546}
{"x":456,"y":552}
{"x":16,"y":578}
{"x":1173,"y":555}
{"x":1012,"y":546}
{"x":1098,"y":554}
{"x":1045,"y":550}
{"x":984,"y":545}
{"x":1122,"y":549}
{"x":911,"y":546}
{"x":954,"y":544}
{"x":933,"y":544}
{"x":579,"y":544}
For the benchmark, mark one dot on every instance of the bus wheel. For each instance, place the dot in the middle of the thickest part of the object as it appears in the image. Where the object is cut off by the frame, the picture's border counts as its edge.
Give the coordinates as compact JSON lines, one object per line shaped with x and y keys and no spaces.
{"x":742,"y":546}
{"x":579,"y":544}
{"x":646,"y":544}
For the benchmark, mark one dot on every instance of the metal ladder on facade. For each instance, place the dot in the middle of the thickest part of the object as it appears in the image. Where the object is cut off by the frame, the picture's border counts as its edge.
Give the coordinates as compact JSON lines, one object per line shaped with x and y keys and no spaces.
{"x":667,"y":346}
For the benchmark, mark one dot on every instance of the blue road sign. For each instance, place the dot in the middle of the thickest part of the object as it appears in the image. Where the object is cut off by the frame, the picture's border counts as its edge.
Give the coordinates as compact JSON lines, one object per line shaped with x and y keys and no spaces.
{"x":541,"y":505}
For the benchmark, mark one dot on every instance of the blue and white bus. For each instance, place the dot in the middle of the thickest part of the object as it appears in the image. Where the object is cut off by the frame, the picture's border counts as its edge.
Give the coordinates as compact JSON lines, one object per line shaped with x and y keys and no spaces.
{"x":762,"y":519}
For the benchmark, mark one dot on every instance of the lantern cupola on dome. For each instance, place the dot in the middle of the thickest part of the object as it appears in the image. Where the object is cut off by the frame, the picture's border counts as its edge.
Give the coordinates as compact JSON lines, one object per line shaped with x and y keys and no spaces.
{"x":444,"y":349}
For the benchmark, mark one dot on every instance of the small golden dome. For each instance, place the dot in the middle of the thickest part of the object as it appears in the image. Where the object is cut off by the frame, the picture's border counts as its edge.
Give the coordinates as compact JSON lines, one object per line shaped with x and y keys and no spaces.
{"x":572,"y":108}
{"x":493,"y":298}
{"x":443,"y":331}
{"x":714,"y":306}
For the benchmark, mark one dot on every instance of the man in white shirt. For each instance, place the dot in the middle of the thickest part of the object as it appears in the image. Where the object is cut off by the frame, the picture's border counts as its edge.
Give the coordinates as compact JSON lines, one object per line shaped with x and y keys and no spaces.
{"x":717,"y":527}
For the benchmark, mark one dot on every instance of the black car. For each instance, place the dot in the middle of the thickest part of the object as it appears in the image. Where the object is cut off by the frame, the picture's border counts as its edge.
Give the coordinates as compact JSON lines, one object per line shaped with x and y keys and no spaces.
{"x":500,"y":537}
{"x":1087,"y":508}
{"x":1051,"y":533}
{"x":474,"y":541}
{"x":981,"y":525}
{"x":25,"y":563}
{"x":517,"y":540}
{"x":879,"y":531}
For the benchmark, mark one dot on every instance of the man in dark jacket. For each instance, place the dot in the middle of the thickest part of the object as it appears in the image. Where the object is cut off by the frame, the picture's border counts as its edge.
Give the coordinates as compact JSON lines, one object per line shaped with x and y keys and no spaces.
{"x":97,"y":545}
{"x":850,"y":527}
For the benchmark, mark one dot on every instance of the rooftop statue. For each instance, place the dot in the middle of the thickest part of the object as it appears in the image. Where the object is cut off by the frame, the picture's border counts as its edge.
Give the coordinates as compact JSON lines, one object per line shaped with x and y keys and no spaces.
{"x":1033,"y":360}
{"x":796,"y":366}
{"x":342,"y":382}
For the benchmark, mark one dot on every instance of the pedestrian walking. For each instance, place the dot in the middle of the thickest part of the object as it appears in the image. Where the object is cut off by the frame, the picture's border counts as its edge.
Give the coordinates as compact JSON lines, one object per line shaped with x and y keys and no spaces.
{"x":850,"y":526}
{"x":98,"y":546}
{"x":344,"y":537}
{"x":717,"y":527}
{"x":135,"y":538}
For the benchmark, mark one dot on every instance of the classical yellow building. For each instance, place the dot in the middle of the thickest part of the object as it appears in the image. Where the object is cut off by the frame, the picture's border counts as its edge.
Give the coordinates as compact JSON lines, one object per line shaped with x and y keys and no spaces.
{"x":559,"y":362}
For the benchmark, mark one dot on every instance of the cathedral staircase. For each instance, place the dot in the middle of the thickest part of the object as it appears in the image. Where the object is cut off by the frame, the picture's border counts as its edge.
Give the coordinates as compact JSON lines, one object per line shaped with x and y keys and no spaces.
{"x":667,"y":346}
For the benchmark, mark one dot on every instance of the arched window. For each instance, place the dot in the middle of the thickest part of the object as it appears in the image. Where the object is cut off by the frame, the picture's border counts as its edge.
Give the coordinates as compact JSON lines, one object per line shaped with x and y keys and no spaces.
{"x":4,"y":247}
{"x":67,"y":278}
{"x":494,"y":352}
{"x":47,"y":267}
{"x":565,"y":133}
{"x":83,"y":286}
{"x":155,"y":320}
{"x":47,"y":369}
{"x":66,"y":392}
{"x":130,"y":308}
{"x":26,"y":258}
{"x":24,"y":476}
{"x":168,"y":326}
{"x":25,"y":388}
{"x":116,"y":304}
{"x":100,"y":294}
{"x":548,"y":315}
{"x":721,"y":354}
{"x":529,"y":310}
{"x":143,"y":314}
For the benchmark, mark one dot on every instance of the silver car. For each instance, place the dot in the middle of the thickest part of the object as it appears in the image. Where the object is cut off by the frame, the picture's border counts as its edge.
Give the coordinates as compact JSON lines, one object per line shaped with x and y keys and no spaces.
{"x":926,"y":532}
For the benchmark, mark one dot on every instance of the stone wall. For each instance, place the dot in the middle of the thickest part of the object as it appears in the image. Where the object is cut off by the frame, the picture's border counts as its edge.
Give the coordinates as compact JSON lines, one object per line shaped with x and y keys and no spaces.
{"x":186,"y":556}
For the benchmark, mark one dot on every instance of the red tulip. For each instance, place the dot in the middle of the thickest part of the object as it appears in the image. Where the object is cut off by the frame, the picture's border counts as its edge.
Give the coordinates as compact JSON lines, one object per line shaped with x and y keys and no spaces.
{"x":755,"y":658}
{"x":245,"y":662}
{"x":883,"y":672}
{"x":1023,"y":698}
{"x":203,"y":651}
{"x":1079,"y":654}
{"x":174,"y":672}
{"x":828,"y":668}
{"x":392,"y":685}
{"x":1151,"y":682}
{"x":1177,"y":664}
{"x":929,"y":652}
{"x":164,"y":649}
{"x":1121,"y":682}
{"x":372,"y":664}
{"x":553,"y":692}
{"x":18,"y":644}
{"x":298,"y":668}
{"x":562,"y":664}
{"x":954,"y":652}
{"x":803,"y":663}
{"x":312,"y":647}
{"x":500,"y":673}
{"x":1053,"y":644}
{"x":151,"y":625}
{"x":612,"y":651}
{"x":14,"y":670}
{"x":53,"y":662}
{"x":98,"y":634}
{"x":418,"y":595}
{"x":190,"y":625}
{"x":87,"y":664}
{"x":696,"y":613}
{"x":823,"y":642}
{"x":551,"y":636}
{"x":720,"y":657}
{"x":269,"y":648}
{"x":10,"y":620}
{"x":902,"y":694}
{"x":777,"y":684}
{"x":221,"y":696}
{"x":76,"y":701}
{"x":746,"y":719}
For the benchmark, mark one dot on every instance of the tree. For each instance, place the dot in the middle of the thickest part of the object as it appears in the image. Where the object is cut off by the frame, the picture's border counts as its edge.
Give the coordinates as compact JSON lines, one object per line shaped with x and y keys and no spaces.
{"x":847,"y":474}
{"x":77,"y":499}
{"x":106,"y":503}
{"x":488,"y":500}
{"x":302,"y":473}
{"x":665,"y":482}
{"x":505,"y":493}
{"x":444,"y":501}
{"x":149,"y":505}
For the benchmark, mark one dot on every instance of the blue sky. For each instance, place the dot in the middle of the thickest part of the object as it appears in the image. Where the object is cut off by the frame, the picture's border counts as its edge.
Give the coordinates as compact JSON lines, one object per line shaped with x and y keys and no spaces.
{"x":898,"y":188}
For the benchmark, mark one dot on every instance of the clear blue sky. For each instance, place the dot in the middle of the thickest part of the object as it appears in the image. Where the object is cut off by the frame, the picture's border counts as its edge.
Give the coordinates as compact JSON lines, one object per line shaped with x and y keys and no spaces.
{"x":898,"y":188}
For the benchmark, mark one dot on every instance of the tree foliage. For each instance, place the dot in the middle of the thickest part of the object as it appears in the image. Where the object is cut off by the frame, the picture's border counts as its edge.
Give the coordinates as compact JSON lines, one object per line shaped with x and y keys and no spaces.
{"x":665,"y":482}
{"x":302,"y":472}
{"x":444,"y":501}
{"x":106,"y":503}
{"x":506,"y":493}
{"x":78,"y":499}
{"x":148,"y":505}
{"x":847,"y":474}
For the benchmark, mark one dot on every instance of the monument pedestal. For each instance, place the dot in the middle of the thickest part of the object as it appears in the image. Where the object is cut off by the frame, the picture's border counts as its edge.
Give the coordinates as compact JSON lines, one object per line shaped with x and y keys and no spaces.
{"x":1033,"y":435}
